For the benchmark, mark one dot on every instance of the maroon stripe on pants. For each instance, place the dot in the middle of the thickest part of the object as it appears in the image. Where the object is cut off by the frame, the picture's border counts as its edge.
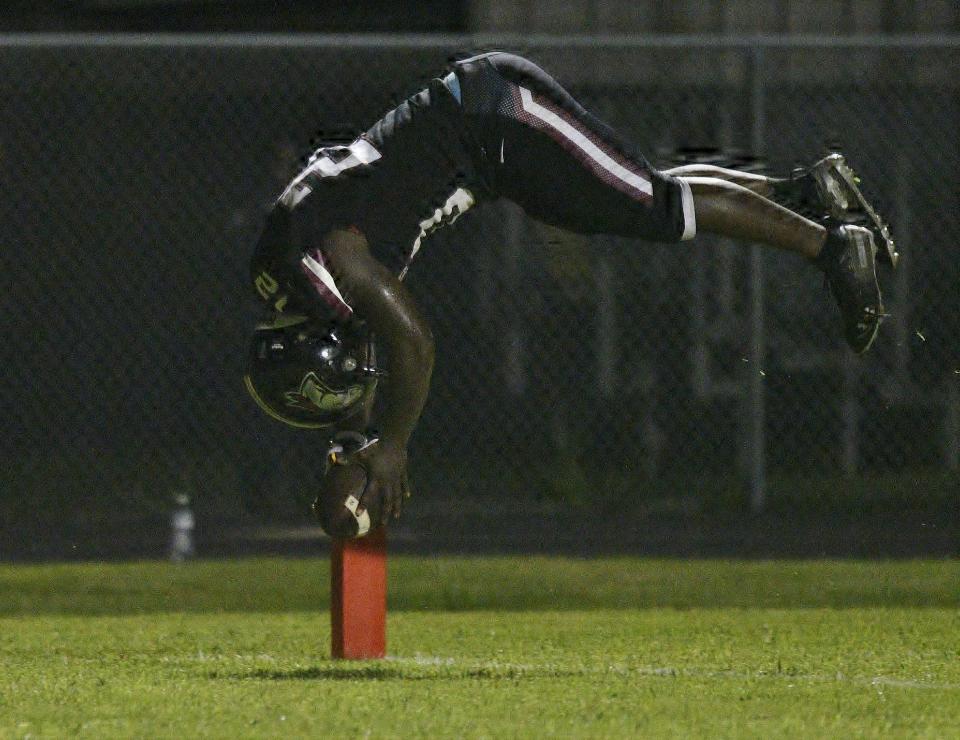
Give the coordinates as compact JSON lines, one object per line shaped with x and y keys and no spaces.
{"x":599,"y":171}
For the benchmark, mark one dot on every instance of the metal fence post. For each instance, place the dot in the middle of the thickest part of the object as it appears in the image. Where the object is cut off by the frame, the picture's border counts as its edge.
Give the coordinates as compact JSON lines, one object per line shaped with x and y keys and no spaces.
{"x":515,"y":350}
{"x":850,"y":412}
{"x":952,"y":427}
{"x":757,"y":413}
{"x":901,"y":286}
{"x":607,"y":340}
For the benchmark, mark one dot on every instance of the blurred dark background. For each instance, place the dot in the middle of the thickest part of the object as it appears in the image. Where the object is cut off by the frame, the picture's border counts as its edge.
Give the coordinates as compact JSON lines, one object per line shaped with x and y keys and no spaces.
{"x":840,"y":17}
{"x":383,"y":16}
{"x":590,"y":395}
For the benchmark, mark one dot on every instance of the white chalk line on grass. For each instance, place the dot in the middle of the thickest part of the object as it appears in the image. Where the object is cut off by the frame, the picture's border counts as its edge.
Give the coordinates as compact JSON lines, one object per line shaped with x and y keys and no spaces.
{"x":493,"y":666}
{"x":669,"y":672}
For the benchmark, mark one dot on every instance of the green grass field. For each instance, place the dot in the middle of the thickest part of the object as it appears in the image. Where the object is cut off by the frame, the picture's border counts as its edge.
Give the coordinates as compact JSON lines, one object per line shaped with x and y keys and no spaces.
{"x":485,"y":647}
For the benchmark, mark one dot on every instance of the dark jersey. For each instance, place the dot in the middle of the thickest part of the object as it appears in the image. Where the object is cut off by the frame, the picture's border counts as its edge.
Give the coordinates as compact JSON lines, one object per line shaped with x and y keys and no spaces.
{"x":409,"y":173}
{"x":497,"y":125}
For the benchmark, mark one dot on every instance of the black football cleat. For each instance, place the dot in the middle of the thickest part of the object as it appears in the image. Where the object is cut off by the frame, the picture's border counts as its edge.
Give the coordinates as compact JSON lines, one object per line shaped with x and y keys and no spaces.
{"x":838,"y":191}
{"x":848,"y":259}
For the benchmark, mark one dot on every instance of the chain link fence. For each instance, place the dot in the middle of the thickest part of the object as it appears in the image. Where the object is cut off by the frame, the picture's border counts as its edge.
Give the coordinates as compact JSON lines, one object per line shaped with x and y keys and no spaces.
{"x":601,"y":376}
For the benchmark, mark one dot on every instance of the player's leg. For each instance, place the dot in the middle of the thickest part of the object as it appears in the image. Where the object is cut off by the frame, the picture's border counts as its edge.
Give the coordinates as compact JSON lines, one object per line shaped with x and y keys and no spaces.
{"x":543,"y":150}
{"x":846,"y":253}
{"x":566,"y":167}
{"x":827,"y":188}
{"x":726,"y":208}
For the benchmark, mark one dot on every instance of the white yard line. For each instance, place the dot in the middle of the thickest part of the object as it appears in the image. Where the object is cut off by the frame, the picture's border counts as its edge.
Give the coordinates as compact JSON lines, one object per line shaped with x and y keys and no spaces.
{"x":670,"y":672}
{"x":428,"y":661}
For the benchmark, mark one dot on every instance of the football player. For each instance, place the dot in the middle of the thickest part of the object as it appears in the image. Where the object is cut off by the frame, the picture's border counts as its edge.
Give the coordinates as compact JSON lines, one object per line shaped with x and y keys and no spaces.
{"x":339,"y":240}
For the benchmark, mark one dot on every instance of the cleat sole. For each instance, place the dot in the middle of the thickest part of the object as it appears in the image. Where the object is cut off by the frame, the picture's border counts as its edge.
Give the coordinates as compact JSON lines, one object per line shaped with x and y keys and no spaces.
{"x":840,"y":187}
{"x":868,"y":254}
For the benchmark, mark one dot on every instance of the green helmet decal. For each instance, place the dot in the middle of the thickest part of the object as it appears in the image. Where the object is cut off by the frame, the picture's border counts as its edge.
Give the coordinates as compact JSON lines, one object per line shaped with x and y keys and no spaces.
{"x":314,"y":394}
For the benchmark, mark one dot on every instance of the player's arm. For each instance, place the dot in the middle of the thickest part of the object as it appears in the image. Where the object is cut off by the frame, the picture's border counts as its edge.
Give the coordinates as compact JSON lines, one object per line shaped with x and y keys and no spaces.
{"x":381,"y":300}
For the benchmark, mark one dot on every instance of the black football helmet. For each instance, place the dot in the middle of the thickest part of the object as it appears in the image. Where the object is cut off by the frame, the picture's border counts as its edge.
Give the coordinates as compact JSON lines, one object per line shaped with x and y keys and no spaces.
{"x":307,"y":375}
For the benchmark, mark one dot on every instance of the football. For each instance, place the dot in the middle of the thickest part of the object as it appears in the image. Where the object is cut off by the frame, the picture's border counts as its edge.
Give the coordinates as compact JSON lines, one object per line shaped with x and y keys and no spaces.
{"x":340,"y":507}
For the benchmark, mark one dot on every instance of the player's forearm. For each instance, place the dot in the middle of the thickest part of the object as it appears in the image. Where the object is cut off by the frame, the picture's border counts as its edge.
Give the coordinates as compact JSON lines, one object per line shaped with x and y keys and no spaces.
{"x":407,"y":338}
{"x":389,"y":310}
{"x":411,"y":351}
